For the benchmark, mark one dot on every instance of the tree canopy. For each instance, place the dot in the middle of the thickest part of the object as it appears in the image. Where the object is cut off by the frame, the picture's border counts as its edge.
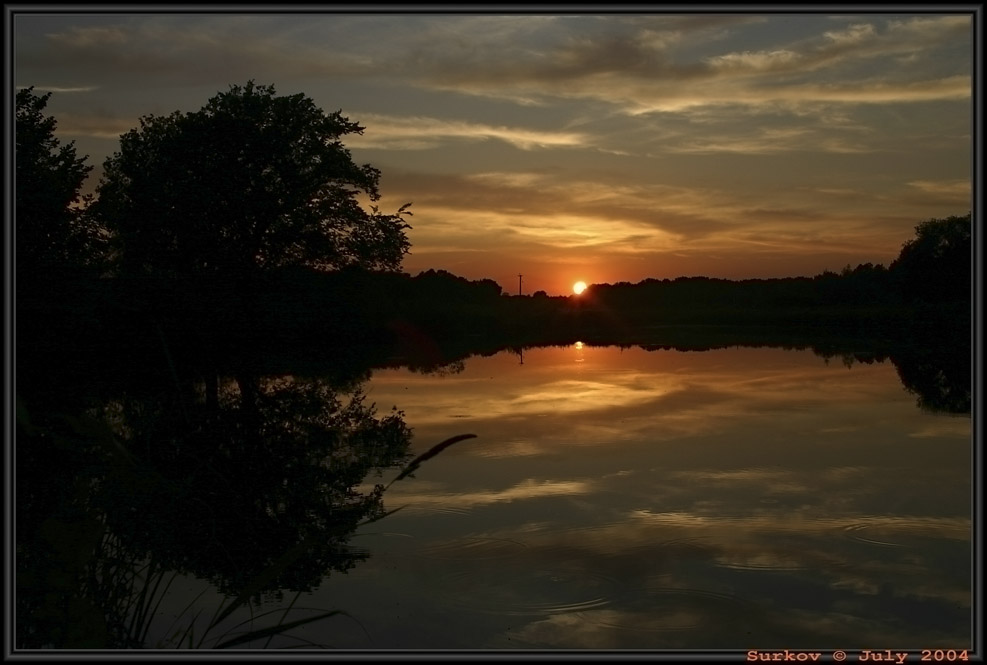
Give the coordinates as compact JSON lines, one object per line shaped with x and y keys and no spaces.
{"x":49,"y":176}
{"x":936,"y":264}
{"x":251,"y":182}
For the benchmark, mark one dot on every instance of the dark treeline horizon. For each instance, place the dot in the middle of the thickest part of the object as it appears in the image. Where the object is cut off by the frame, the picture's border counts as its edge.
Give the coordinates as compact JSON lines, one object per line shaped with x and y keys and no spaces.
{"x":921,"y":296}
{"x":211,"y":235}
{"x":209,"y":243}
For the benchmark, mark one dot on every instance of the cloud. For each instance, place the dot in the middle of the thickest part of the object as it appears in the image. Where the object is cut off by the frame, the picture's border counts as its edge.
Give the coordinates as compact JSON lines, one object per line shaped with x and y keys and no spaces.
{"x":525,"y":490}
{"x":757,"y":62}
{"x":97,"y":125}
{"x":638,"y":64}
{"x":182,"y":50}
{"x":418,"y":133}
{"x":97,"y":36}
{"x":761,"y":141}
{"x":602,"y":218}
{"x":953,"y":187}
{"x":933,"y":30}
{"x":642,"y":98}
{"x":555,"y":209}
{"x":854,"y":34}
{"x":680,"y":213}
{"x":58,"y":89}
{"x":942,"y":196}
{"x":639,"y":68}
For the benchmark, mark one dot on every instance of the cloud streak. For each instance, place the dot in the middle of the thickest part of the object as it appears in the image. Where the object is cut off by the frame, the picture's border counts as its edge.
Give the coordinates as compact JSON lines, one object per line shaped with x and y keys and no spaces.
{"x":420,"y":133}
{"x":639,"y":69}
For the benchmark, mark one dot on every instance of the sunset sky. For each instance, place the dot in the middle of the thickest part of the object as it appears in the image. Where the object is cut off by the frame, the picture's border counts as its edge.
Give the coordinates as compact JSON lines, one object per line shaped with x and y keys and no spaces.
{"x":579,"y":146}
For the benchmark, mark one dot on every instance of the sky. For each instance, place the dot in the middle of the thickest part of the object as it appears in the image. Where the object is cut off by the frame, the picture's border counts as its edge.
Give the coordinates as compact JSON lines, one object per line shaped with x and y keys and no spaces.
{"x":580,"y":146}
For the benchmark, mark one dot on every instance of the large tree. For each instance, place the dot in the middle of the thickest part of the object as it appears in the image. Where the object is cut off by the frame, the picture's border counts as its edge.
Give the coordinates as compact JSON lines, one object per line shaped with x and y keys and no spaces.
{"x":935,"y":265}
{"x":50,"y":231}
{"x":250,"y":182}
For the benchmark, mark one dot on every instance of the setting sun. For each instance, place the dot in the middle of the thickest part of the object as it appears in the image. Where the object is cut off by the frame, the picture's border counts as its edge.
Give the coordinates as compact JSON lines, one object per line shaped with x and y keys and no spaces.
{"x":578,"y":287}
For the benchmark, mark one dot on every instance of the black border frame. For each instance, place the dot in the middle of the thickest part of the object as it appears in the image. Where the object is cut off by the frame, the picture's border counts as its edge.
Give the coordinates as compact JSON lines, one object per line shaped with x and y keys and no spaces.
{"x":9,"y":340}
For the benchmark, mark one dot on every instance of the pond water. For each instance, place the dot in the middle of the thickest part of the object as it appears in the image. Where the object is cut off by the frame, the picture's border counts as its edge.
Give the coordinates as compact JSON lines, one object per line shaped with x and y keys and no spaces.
{"x":624,"y":498}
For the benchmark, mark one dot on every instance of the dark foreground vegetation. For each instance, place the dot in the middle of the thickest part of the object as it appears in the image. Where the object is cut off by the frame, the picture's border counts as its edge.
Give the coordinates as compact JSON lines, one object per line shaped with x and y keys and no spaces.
{"x":191,"y":342}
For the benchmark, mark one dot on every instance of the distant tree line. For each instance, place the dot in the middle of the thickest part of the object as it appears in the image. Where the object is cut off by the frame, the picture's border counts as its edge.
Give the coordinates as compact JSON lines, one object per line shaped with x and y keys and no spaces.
{"x":933,"y":268}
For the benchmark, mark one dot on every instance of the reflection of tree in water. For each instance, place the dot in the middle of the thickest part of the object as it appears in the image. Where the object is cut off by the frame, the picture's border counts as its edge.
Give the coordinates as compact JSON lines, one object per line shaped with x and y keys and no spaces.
{"x":940,"y":377}
{"x":223,"y":492}
{"x":440,"y":369}
{"x":937,"y":374}
{"x":935,"y":366}
{"x":218,"y":490}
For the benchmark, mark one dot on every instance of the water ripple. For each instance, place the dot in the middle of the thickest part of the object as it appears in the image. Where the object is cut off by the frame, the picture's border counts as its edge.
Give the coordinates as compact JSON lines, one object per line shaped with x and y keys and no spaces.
{"x":473,"y":549}
{"x":673,"y":609}
{"x":529,"y":592}
{"x":906,"y":531}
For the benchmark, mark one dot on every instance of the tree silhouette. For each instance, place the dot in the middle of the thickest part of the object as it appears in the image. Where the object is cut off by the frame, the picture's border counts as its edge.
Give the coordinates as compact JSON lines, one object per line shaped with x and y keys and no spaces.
{"x":51,"y":231}
{"x":252,"y":181}
{"x":935,"y":265}
{"x":939,"y":375}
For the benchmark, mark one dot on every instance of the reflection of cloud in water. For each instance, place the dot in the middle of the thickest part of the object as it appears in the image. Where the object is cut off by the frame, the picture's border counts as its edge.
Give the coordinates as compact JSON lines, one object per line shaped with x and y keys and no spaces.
{"x":666,"y":618}
{"x":527,"y":489}
{"x":675,"y":629}
{"x":637,"y":395}
{"x":752,"y":559}
{"x":818,"y":494}
{"x":572,"y":395}
{"x":495,"y":402}
{"x":844,"y":473}
{"x":598,"y":629}
{"x":758,"y":475}
{"x":765,"y":574}
{"x":512,"y":448}
{"x":956,"y":528}
{"x":948,"y":426}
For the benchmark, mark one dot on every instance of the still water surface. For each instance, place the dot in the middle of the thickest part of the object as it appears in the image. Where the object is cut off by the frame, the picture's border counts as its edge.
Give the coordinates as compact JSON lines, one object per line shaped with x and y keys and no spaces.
{"x":621,"y":498}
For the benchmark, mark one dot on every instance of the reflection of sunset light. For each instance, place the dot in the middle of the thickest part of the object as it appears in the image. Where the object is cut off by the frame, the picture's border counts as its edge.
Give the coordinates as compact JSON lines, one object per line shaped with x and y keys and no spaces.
{"x":525,"y":490}
{"x":748,"y":466}
{"x":697,"y":393}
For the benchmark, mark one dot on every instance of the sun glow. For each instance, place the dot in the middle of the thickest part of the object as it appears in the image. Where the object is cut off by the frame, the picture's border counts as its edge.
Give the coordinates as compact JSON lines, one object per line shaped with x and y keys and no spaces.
{"x":578,"y":287}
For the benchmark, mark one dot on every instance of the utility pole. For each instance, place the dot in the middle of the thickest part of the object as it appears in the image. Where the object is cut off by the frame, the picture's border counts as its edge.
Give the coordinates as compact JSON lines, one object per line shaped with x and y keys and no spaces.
{"x":519,"y":284}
